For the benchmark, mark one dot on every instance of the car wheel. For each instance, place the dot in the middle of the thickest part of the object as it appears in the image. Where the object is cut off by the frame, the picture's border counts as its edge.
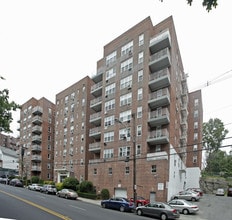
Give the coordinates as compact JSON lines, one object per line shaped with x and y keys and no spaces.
{"x":122,"y":208}
{"x":104,"y":205}
{"x":139,"y":204}
{"x":194,"y":199}
{"x":139,"y":212}
{"x":185,"y":212}
{"x":66,"y":196}
{"x":163,"y":216}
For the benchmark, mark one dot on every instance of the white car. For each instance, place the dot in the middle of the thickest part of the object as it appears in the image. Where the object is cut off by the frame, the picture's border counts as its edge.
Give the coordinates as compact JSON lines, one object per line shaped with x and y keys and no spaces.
{"x":220,"y":192}
{"x":35,"y":186}
{"x":184,"y":206}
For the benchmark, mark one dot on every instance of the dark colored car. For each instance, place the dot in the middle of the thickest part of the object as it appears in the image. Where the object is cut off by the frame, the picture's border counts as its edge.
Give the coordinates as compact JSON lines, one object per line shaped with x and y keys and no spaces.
{"x":49,"y":189}
{"x":159,"y":210}
{"x":229,"y":192}
{"x":118,"y":203}
{"x":140,"y":201}
{"x":16,"y":182}
{"x":67,"y":193}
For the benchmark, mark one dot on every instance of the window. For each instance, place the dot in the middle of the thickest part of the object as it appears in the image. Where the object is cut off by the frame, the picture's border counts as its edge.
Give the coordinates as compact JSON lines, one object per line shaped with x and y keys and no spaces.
{"x":109,"y":136}
{"x":108,"y":153}
{"x":195,"y":136}
{"x":126,"y":82}
{"x":110,"y":89}
{"x":141,"y":39}
{"x":127,"y":170}
{"x":124,"y":151}
{"x":138,"y":149}
{"x":140,"y":75}
{"x":196,"y":102}
{"x":110,"y":171}
{"x":195,"y":147}
{"x":196,"y":114}
{"x":110,"y":73}
{"x":127,"y":65}
{"x":140,"y":94}
{"x":140,"y":57}
{"x":109,"y":121}
{"x":125,"y":116}
{"x":109,"y":105}
{"x":139,"y":130}
{"x":157,"y":148}
{"x":194,"y":159}
{"x":111,"y":58}
{"x":153,"y":168}
{"x":195,"y":125}
{"x":95,"y":171}
{"x":124,"y":134}
{"x":126,"y":99}
{"x":139,"y":112}
{"x":127,"y":49}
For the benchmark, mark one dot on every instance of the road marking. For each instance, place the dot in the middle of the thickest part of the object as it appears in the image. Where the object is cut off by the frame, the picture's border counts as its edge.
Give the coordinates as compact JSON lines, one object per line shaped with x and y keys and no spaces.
{"x":38,"y":206}
{"x":76,"y":207}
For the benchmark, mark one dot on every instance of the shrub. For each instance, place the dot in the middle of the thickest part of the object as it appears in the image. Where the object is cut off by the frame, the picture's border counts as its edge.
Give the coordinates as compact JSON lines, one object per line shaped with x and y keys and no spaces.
{"x":86,"y":186}
{"x":70,"y":183}
{"x":105,"y":194}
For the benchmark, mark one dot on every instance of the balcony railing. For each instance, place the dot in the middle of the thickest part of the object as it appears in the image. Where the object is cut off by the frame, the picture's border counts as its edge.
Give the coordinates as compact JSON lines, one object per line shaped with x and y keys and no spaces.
{"x":158,"y":137}
{"x":159,"y":79}
{"x":159,"y":117}
{"x":159,"y":98}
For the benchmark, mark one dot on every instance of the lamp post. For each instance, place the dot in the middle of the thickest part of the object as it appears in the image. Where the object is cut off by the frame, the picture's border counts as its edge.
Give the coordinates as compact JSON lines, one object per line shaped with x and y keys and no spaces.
{"x":134,"y":156}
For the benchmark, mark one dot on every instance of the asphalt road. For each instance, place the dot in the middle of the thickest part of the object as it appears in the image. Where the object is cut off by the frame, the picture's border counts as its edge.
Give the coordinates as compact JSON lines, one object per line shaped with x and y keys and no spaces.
{"x":23,"y":204}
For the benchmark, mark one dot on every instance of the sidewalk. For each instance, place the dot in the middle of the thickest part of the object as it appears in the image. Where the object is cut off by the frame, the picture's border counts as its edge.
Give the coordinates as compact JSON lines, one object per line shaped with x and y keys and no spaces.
{"x":96,"y":202}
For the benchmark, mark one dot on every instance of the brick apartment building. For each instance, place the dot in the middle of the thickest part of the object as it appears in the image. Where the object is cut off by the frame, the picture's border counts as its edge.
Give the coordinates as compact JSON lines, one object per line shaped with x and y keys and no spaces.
{"x":141,"y":103}
{"x":37,"y":120}
{"x":133,"y":125}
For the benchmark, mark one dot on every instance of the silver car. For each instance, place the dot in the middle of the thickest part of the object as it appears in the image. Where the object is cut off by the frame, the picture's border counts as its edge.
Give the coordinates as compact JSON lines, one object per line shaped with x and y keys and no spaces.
{"x":184,"y":206}
{"x":159,"y":210}
{"x":187,"y":195}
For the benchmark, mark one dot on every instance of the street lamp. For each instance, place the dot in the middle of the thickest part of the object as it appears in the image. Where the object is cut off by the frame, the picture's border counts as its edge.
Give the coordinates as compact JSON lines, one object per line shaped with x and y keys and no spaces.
{"x":134,"y":155}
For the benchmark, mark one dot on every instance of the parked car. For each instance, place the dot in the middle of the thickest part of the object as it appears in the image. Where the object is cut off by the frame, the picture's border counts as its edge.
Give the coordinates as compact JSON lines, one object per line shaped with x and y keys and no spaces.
{"x":16,"y":182}
{"x":49,"y":189}
{"x":159,"y":210}
{"x":220,"y":192}
{"x":67,"y":193}
{"x":140,"y":201}
{"x":184,"y":206}
{"x":35,"y":186}
{"x":198,"y":190}
{"x":187,"y":195}
{"x":229,"y":192}
{"x":118,"y":203}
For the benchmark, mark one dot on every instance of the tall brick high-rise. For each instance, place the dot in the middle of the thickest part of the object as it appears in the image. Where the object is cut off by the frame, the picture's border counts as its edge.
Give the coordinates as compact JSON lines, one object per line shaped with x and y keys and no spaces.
{"x":142,"y":116}
{"x":37,"y":119}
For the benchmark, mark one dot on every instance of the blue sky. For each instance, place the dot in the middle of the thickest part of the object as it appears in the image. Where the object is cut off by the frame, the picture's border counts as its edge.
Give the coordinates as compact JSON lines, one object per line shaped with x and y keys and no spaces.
{"x":46,"y":46}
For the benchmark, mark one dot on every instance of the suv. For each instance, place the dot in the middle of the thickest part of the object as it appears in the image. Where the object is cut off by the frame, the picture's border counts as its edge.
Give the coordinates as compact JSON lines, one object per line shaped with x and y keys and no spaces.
{"x":49,"y":189}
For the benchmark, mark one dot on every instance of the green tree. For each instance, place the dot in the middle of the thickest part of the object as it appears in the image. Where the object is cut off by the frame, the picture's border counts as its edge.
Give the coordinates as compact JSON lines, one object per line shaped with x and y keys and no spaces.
{"x":209,"y":4}
{"x":6,"y":108}
{"x":86,"y":186}
{"x":214,"y":133}
{"x":70,"y":183}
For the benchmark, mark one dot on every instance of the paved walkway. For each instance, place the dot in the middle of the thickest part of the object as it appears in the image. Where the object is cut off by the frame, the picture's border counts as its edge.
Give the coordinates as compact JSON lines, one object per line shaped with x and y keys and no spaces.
{"x":96,"y":202}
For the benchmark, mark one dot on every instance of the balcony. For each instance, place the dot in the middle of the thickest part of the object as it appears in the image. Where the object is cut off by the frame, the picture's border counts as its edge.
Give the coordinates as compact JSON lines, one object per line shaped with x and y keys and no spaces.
{"x":37,"y":139}
{"x":159,"y":117}
{"x":36,"y":168}
{"x":158,"y":137}
{"x":37,"y":120}
{"x":95,"y":147}
{"x":36,"y":148}
{"x":96,"y":118}
{"x":162,"y":155}
{"x":96,"y":89}
{"x":36,"y":158}
{"x":160,"y":42}
{"x":160,"y":60}
{"x":96,"y":104}
{"x":37,"y":110}
{"x":159,"y":98}
{"x":95,"y":161}
{"x":159,"y":79}
{"x":37,"y":129}
{"x":95,"y":132}
{"x":98,"y":76}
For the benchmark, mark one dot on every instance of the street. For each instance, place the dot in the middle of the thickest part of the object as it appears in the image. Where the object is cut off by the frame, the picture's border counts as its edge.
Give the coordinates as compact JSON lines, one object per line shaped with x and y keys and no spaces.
{"x":21,"y":203}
